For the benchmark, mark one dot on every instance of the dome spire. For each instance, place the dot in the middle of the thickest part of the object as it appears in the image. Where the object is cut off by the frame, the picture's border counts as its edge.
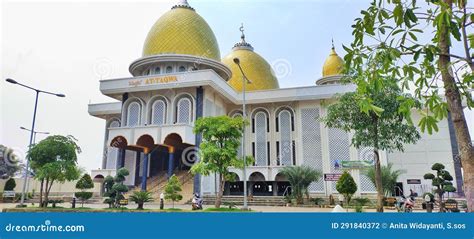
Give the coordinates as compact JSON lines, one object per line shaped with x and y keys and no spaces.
{"x":182,"y":4}
{"x":333,"y":64}
{"x":242,"y":44}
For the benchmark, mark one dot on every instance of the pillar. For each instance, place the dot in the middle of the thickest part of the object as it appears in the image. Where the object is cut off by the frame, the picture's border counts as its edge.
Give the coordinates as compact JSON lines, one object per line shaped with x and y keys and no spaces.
{"x":170,"y":161}
{"x":198,"y":139}
{"x":275,"y":188}
{"x":145,"y":170}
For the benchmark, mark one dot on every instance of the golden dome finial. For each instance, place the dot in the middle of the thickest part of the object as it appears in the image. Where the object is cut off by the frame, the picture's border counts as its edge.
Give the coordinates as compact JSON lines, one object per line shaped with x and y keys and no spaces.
{"x":242,"y":37}
{"x":182,"y":4}
{"x":333,"y":64}
{"x":242,"y":44}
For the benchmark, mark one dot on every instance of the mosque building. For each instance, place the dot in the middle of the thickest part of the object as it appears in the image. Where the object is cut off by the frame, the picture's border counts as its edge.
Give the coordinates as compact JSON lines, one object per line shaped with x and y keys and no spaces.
{"x":181,"y":77}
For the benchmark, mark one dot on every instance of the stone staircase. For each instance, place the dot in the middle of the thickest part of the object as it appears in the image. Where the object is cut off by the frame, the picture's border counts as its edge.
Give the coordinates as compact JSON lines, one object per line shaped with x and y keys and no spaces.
{"x":157,"y":183}
{"x":252,"y":201}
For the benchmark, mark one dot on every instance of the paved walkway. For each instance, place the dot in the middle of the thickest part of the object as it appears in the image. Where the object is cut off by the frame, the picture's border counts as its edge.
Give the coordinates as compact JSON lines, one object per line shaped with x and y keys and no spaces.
{"x":188,"y":207}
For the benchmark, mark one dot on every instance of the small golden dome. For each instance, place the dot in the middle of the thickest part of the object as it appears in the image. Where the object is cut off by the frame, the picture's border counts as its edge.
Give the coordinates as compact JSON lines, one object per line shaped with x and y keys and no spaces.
{"x":182,"y":31}
{"x":333,"y":65}
{"x":255,"y":67}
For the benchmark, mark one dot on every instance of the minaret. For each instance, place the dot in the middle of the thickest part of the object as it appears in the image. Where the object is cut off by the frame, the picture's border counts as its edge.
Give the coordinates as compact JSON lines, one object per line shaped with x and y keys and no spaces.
{"x":332,"y":68}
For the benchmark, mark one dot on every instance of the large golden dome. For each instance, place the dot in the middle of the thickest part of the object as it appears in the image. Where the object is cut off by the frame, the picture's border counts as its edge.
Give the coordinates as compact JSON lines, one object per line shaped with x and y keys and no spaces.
{"x":334,"y":65}
{"x":182,"y":31}
{"x":255,"y":67}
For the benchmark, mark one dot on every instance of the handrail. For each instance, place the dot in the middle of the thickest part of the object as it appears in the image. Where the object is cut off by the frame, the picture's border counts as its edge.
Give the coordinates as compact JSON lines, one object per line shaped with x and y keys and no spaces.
{"x":286,"y":192}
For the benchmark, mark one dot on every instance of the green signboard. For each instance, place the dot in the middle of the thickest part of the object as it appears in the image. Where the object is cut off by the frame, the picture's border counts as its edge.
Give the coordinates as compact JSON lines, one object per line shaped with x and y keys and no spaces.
{"x":357,"y":164}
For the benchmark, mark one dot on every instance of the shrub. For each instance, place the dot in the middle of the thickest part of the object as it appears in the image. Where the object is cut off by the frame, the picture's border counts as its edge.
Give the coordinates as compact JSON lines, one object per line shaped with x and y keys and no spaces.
{"x":361,"y":201}
{"x":300,"y":177}
{"x":141,"y":197}
{"x":317,"y":201}
{"x":172,"y":189}
{"x":359,"y":208}
{"x":346,"y":186}
{"x":10,"y":185}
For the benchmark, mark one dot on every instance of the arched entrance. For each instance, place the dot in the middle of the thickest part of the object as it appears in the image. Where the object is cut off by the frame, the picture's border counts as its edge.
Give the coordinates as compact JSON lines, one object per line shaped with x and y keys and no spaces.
{"x":282,"y":185}
{"x":258,"y":185}
{"x":233,"y":185}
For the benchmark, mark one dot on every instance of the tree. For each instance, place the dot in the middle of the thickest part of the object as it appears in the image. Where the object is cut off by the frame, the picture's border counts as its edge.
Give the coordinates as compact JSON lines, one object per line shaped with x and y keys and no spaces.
{"x":141,"y":197}
{"x":172,"y":189}
{"x":54,"y":159}
{"x":442,"y":182}
{"x":114,"y":187}
{"x":300,"y":177}
{"x":10,"y":185}
{"x":83,"y":184}
{"x":372,"y":113}
{"x":416,"y":39}
{"x":8,"y":162}
{"x":346,"y":186}
{"x":218,"y":150}
{"x":108,"y":192}
{"x":389,"y":178}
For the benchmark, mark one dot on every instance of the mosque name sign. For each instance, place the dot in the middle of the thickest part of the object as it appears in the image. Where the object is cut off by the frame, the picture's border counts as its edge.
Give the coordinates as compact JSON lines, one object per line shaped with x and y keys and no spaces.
{"x":153,"y":81}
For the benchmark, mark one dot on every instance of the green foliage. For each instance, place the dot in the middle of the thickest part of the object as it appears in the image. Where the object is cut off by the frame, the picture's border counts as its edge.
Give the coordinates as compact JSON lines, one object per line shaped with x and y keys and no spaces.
{"x":317,"y":201}
{"x":361,"y":201}
{"x":54,"y":159}
{"x":346,"y":186}
{"x":389,"y":178}
{"x":300,"y":177}
{"x":172,"y":189}
{"x":9,"y":162}
{"x":374,"y":115}
{"x":428,"y":46}
{"x":114,"y":187}
{"x":218,"y":151}
{"x":141,"y":197}
{"x":441,"y":181}
{"x":10,"y":185}
{"x":85,"y":182}
{"x":430,"y":195}
{"x":359,"y":208}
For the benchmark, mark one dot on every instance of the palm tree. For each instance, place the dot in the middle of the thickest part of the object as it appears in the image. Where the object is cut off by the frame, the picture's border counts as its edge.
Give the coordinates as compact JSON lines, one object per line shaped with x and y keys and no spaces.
{"x":300,"y":177}
{"x":389,"y":178}
{"x":141,"y":197}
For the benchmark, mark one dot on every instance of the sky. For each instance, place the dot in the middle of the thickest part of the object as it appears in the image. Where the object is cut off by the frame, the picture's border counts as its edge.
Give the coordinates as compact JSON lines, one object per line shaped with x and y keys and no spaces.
{"x":68,"y":46}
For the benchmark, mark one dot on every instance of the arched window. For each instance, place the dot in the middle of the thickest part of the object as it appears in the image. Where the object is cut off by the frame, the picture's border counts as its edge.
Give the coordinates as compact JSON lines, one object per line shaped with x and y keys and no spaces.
{"x":169,"y":69}
{"x":260,"y":147}
{"x":182,"y":69}
{"x":158,"y":112}
{"x":114,"y":124}
{"x":157,"y":70}
{"x":239,"y":150}
{"x":285,"y":146}
{"x":133,"y":114}
{"x":184,"y":108}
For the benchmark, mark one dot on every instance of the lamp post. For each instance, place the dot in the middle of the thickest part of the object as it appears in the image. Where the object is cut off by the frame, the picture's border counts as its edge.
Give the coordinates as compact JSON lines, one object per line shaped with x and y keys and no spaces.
{"x":245,"y":80}
{"x":34,"y":133}
{"x":31,"y":131}
{"x":34,"y":142}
